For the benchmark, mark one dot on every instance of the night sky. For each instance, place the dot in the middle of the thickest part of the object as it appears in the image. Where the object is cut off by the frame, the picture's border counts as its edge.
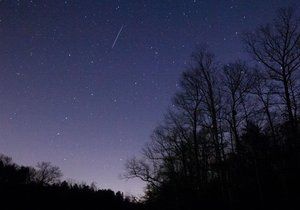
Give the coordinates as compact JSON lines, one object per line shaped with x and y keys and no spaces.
{"x":84,"y":83}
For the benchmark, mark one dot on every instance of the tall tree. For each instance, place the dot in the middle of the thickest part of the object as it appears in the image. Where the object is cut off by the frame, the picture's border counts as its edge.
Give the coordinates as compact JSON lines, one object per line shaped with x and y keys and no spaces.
{"x":264,"y":91}
{"x":277,"y":47}
{"x":237,"y":84}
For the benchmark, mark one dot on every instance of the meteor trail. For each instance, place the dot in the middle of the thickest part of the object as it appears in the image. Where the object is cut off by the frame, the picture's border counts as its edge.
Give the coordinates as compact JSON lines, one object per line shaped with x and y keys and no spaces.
{"x":116,"y":39}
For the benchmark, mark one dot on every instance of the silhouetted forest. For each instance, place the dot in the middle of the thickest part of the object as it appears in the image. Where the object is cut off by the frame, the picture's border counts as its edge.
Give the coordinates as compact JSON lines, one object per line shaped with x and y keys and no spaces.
{"x":29,"y":188}
{"x":231,"y":138}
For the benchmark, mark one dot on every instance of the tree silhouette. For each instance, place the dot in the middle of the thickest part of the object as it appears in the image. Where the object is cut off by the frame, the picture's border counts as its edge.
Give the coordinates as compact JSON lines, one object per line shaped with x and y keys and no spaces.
{"x":276,"y":46}
{"x":47,"y":174}
{"x":24,"y":187}
{"x":231,"y":138}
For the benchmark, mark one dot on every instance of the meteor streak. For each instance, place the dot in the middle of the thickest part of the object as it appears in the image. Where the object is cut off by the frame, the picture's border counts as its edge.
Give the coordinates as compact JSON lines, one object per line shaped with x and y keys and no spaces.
{"x":116,"y":39}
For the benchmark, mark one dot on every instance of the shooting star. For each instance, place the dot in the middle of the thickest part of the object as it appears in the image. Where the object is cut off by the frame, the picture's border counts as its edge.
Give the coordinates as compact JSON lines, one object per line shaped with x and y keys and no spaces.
{"x":116,"y":39}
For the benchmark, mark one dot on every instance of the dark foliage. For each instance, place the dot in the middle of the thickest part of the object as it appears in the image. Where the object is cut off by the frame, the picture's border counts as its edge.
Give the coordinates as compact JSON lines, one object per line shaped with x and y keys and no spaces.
{"x":21,"y":188}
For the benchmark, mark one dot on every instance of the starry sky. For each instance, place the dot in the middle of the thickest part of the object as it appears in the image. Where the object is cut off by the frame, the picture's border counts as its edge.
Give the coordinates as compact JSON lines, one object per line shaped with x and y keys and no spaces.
{"x":84,"y":83}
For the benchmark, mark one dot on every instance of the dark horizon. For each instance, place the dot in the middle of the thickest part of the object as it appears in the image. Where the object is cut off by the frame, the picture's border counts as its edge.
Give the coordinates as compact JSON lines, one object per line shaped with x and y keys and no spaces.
{"x":84,"y":83}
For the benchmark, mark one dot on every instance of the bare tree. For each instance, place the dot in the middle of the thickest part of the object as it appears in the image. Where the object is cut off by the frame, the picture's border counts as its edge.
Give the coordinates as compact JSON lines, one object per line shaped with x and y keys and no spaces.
{"x":188,"y":103}
{"x":47,"y":174}
{"x":237,"y":84}
{"x":205,"y":71}
{"x":187,"y":144}
{"x":277,"y":47}
{"x":264,"y":90}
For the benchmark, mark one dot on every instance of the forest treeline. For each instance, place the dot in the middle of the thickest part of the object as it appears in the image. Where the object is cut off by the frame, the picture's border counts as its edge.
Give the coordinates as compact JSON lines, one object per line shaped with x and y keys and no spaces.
{"x":23,"y":187}
{"x":230,"y":140}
